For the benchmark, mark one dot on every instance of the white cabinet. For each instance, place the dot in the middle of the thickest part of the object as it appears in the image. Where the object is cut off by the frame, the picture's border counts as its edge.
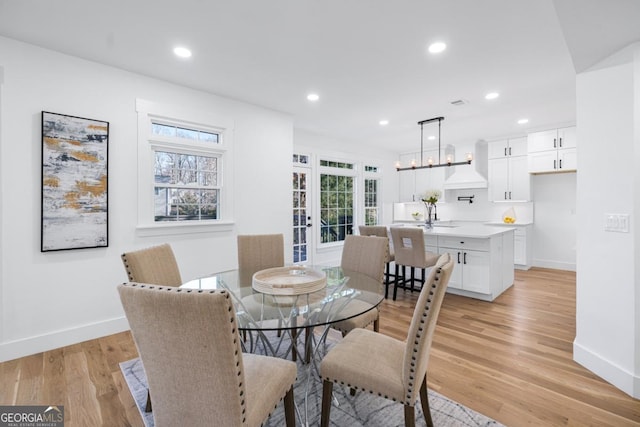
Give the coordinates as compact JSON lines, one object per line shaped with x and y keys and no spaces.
{"x":407,"y":179}
{"x":552,"y":151}
{"x":509,"y":179}
{"x":483,"y":267}
{"x":522,"y":244}
{"x":414,"y":183}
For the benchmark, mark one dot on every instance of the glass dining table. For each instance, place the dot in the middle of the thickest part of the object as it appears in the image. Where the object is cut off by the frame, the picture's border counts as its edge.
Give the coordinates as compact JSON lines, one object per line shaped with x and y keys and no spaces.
{"x":274,"y":324}
{"x":260,"y":316}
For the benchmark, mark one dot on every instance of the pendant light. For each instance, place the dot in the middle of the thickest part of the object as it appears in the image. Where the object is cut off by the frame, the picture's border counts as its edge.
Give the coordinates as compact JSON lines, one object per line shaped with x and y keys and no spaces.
{"x":449,"y":160}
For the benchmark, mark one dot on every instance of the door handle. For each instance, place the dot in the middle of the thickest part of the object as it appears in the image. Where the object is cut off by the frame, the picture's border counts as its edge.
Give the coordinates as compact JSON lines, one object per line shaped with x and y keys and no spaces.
{"x":464,"y":257}
{"x":309,"y":225}
{"x":458,"y":257}
{"x":505,"y":195}
{"x":560,"y":142}
{"x":560,"y":162}
{"x":509,"y":195}
{"x":554,"y":142}
{"x":509,"y":150}
{"x":505,"y":151}
{"x":554,"y":164}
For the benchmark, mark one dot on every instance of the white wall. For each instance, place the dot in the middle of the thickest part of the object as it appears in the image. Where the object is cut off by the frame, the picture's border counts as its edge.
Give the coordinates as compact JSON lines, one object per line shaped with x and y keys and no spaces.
{"x":53,"y":299}
{"x":608,"y":282}
{"x":319,"y":146}
{"x":554,"y":228}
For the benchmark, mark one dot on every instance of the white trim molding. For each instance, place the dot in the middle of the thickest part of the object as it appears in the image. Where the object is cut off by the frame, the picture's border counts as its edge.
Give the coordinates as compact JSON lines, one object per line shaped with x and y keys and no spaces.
{"x":607,"y":370}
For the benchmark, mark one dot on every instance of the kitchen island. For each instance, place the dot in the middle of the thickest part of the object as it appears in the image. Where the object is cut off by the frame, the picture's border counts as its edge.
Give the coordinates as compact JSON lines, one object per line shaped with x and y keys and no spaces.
{"x":483,"y":257}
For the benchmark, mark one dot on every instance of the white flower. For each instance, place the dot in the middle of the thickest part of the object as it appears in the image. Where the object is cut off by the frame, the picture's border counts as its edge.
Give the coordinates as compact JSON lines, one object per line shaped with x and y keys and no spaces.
{"x":432,"y":196}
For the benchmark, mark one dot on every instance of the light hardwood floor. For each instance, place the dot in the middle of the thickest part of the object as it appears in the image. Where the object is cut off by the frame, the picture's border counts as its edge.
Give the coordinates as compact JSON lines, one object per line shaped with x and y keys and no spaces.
{"x":510,"y":359}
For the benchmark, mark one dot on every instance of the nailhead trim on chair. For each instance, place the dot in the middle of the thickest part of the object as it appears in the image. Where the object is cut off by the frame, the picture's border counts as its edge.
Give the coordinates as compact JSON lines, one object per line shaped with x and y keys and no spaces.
{"x":233,"y":331}
{"x":418,"y":337}
{"x":407,"y":401}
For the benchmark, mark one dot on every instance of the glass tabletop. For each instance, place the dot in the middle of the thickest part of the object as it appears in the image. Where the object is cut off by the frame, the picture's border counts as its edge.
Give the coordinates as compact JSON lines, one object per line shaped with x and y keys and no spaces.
{"x":347,"y":294}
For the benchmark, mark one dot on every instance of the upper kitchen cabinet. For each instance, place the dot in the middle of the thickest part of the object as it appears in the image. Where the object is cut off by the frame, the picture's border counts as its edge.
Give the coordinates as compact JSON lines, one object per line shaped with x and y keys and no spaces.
{"x":552,"y":151}
{"x":414,"y":183}
{"x":407,"y":179}
{"x":509,"y":179}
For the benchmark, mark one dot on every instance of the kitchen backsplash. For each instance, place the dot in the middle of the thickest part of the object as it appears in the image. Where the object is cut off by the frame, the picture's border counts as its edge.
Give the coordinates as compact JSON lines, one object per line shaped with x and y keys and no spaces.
{"x":479,"y":210}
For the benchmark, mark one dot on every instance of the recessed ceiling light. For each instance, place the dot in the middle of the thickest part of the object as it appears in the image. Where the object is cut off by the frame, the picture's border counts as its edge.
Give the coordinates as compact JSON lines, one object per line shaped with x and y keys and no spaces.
{"x":492,"y":95}
{"x":437,"y":47}
{"x":431,"y":137}
{"x":182,"y":52}
{"x":523,"y":121}
{"x":313,"y":97}
{"x":383,"y":122}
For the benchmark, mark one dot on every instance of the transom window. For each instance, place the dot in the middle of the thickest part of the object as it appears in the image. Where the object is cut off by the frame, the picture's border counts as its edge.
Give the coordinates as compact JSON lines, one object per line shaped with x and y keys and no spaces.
{"x":184,"y":133}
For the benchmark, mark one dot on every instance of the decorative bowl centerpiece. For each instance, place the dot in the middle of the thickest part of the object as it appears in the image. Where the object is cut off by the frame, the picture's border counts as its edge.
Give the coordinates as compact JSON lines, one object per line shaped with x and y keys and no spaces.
{"x":417,"y":216}
{"x":294,"y":280}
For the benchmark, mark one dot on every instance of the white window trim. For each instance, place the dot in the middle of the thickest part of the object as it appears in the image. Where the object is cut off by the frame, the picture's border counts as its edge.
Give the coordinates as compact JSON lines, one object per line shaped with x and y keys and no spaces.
{"x":148,"y":142}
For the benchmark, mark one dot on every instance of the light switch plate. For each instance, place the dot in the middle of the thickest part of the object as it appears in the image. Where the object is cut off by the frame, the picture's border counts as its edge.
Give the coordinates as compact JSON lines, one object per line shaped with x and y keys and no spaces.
{"x":616,"y":222}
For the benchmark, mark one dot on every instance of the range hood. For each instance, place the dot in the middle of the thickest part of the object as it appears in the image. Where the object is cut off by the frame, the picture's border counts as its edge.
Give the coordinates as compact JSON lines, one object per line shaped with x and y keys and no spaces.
{"x":473,"y":175}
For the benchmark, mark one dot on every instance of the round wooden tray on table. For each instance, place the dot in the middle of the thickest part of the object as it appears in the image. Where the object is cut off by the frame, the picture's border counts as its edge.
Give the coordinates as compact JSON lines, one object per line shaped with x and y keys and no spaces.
{"x":295,"y":280}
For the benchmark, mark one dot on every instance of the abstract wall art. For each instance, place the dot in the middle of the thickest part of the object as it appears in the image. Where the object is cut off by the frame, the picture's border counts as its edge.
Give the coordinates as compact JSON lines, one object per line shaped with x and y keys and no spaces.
{"x":74,"y":182}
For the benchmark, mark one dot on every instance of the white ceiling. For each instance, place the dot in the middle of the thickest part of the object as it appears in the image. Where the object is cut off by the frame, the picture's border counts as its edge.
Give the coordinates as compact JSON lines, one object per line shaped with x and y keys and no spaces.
{"x":367,"y":59}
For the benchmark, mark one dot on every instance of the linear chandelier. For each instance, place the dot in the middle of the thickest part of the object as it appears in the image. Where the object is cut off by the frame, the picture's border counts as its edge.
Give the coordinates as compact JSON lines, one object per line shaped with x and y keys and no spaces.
{"x":430,"y":164}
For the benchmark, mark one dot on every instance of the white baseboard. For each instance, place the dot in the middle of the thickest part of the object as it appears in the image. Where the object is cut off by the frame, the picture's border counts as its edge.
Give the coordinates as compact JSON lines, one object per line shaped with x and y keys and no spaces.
{"x":24,"y":347}
{"x":608,"y":371}
{"x":556,"y":265}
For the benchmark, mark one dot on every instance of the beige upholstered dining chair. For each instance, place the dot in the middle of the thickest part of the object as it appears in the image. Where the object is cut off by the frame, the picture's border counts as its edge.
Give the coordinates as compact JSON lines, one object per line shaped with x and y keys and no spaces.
{"x":257,"y":252}
{"x":366,"y":255}
{"x":381,"y":231}
{"x":379,"y":364}
{"x":188,"y":343}
{"x":155,"y":265}
{"x":408,"y":244}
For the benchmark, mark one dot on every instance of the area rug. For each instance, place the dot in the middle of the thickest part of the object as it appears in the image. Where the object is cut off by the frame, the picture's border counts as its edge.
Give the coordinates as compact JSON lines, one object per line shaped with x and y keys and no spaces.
{"x":361,"y":410}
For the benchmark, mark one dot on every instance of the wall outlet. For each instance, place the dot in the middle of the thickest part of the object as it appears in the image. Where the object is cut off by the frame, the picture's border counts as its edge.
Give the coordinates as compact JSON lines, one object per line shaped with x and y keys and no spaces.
{"x":616,"y":222}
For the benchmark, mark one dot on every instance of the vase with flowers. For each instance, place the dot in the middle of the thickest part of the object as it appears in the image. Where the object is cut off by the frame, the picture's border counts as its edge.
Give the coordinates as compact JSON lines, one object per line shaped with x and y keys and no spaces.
{"x":430,"y":198}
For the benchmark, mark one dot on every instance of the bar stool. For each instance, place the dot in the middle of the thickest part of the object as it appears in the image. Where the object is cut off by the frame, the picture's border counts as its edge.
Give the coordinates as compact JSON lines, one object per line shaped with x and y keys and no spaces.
{"x":408,"y":243}
{"x":381,"y":231}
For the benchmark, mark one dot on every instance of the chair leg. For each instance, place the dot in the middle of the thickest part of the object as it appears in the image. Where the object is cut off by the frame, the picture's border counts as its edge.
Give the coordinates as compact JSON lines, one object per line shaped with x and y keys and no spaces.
{"x":376,"y":324}
{"x":147,"y":407}
{"x":424,"y":401}
{"x":294,"y":344}
{"x":409,"y":416}
{"x":327,"y":388}
{"x":386,"y":280}
{"x":289,"y":409}
{"x":413,"y":277}
{"x":307,"y":345}
{"x":397,"y":282}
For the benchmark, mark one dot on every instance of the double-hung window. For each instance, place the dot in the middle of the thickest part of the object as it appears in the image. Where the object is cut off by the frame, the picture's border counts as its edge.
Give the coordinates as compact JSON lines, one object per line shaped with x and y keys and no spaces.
{"x":183,"y":159}
{"x":187,"y":183}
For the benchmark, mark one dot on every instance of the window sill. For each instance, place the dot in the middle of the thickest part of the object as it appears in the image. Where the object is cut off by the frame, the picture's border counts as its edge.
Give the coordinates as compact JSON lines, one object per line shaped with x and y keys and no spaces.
{"x":178,"y":228}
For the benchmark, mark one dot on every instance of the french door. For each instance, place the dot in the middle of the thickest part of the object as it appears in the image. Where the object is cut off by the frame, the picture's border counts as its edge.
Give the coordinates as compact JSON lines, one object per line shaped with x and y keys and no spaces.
{"x":302,"y":223}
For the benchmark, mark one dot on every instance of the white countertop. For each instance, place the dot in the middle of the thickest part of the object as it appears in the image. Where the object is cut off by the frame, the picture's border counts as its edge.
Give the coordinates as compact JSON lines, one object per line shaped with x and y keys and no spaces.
{"x":465,"y":230}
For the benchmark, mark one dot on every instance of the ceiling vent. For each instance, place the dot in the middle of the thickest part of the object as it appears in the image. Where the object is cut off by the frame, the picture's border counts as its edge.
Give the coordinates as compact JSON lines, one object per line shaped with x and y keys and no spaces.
{"x":459,"y":102}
